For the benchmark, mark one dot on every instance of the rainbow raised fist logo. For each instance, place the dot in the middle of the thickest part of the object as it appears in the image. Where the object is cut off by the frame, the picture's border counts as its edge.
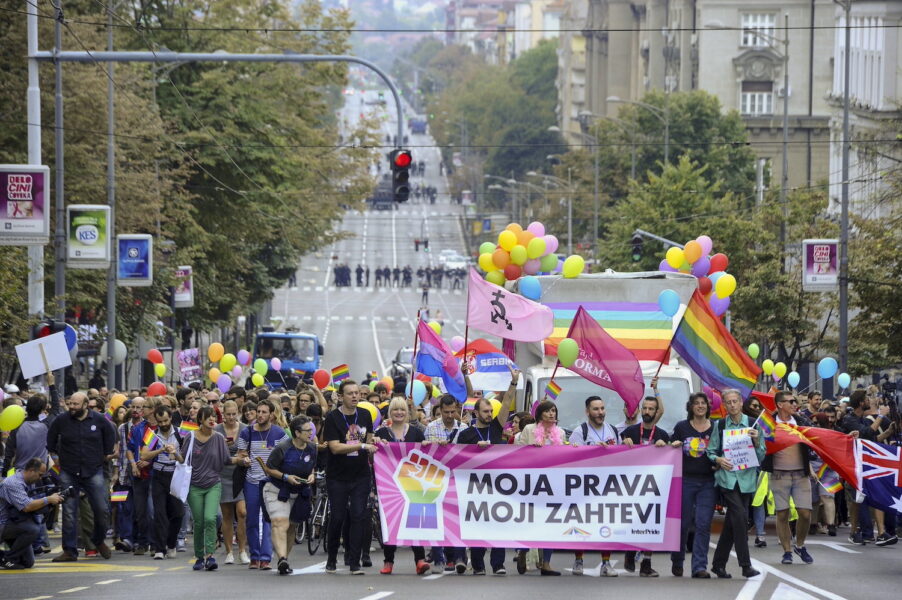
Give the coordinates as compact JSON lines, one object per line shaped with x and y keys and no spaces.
{"x":424,"y":481}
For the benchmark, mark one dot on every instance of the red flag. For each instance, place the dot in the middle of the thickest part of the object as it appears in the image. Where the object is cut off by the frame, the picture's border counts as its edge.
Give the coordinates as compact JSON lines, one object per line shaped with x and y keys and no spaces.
{"x":766,"y":400}
{"x":836,"y":448}
{"x":605,"y":361}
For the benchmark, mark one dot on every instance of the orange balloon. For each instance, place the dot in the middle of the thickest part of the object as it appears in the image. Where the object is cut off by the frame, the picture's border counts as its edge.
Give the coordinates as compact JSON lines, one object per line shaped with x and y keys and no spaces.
{"x":524,"y":237}
{"x":501,"y":258}
{"x":515,"y":227}
{"x":117,"y":400}
{"x":692,"y":251}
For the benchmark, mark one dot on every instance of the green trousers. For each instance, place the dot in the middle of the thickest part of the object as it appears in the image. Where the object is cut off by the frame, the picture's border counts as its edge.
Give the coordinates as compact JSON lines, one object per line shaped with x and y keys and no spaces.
{"x":204,"y":503}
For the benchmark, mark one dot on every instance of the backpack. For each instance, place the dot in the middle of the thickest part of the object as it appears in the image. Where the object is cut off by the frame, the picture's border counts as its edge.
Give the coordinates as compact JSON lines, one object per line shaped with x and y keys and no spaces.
{"x":585,"y":429}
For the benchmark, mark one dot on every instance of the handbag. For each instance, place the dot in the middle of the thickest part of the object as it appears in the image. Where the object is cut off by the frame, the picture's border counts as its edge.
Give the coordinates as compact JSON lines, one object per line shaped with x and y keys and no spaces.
{"x":181,"y":477}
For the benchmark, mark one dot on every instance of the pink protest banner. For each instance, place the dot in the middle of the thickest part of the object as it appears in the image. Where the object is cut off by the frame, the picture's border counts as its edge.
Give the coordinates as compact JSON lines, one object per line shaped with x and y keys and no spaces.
{"x":586,"y":498}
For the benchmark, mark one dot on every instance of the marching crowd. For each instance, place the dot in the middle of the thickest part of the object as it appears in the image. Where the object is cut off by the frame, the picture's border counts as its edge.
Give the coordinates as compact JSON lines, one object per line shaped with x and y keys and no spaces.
{"x":399,"y":276}
{"x":255,"y":456}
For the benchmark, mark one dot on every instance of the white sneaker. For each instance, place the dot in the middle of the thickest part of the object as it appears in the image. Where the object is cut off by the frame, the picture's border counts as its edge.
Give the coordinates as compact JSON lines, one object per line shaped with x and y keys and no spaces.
{"x":158,"y":556}
{"x":170,"y":553}
{"x":578,"y":566}
{"x":437,"y":568}
{"x":244,"y":558}
{"x":230,"y":559}
{"x":608,"y":570}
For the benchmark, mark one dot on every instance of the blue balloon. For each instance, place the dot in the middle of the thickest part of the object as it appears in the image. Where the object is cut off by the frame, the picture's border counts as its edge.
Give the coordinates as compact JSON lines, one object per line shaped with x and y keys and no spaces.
{"x":844,"y":380}
{"x":530,"y":287}
{"x":827,"y":367}
{"x":715,"y":276}
{"x":669,"y":302}
{"x":793,"y":379}
{"x":419,"y":392}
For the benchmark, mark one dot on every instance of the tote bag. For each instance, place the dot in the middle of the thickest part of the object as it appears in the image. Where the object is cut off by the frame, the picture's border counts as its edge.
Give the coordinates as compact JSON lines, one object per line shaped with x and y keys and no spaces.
{"x":181,"y":477}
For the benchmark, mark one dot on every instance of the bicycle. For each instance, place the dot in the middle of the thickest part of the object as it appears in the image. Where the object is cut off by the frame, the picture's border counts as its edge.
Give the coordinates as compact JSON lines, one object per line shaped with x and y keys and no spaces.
{"x":317,"y":525}
{"x":372,"y":506}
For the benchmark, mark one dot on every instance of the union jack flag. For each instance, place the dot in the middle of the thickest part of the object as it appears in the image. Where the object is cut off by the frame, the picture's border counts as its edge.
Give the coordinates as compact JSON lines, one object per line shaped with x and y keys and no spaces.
{"x":879,"y":460}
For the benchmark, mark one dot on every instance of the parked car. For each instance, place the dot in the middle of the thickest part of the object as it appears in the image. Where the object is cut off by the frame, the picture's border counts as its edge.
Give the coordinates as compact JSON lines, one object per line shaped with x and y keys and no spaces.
{"x":402,"y":363}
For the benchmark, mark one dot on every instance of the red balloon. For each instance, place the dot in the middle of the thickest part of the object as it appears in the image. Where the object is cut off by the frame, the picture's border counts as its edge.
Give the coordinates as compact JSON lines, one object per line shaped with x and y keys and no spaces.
{"x":156,"y":389}
{"x":704,"y":285}
{"x":719,"y":262}
{"x":321,"y":378}
{"x":512,"y":272}
{"x":155,"y":356}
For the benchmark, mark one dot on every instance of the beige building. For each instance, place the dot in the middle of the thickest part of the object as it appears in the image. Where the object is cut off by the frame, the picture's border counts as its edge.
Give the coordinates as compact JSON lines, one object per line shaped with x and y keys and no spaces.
{"x":571,"y":75}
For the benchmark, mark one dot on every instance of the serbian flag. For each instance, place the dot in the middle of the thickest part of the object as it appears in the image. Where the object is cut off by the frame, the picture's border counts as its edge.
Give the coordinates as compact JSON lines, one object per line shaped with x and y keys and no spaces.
{"x":605,"y":361}
{"x":495,"y":310}
{"x":489,"y":367}
{"x":835,"y":448}
{"x":435,"y":358}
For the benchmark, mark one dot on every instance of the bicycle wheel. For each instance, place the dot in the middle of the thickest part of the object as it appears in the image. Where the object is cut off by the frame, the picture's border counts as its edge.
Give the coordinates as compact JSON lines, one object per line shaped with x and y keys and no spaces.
{"x":315,"y":528}
{"x":324,"y":531}
{"x":301,"y":532}
{"x":377,"y":529}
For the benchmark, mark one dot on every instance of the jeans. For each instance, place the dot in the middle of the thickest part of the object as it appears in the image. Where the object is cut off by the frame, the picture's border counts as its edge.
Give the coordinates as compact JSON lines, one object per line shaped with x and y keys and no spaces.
{"x":477,"y":558}
{"x":204,"y":503}
{"x":143,"y":516}
{"x":734,"y":529}
{"x":94,"y":487}
{"x":699,"y":497}
{"x":348,"y":502}
{"x":20,"y":535}
{"x":259,"y":538}
{"x":125,"y":515}
{"x":167,"y":514}
{"x":419,"y":553}
{"x":759,"y":514}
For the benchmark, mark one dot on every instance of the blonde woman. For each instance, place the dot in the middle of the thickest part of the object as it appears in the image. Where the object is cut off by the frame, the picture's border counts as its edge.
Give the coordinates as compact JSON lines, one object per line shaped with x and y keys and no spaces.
{"x":232,"y":500}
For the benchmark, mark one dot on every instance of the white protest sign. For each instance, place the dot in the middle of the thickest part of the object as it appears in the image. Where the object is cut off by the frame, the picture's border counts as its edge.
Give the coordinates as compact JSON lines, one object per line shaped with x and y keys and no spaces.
{"x":739,"y":449}
{"x":43,"y":354}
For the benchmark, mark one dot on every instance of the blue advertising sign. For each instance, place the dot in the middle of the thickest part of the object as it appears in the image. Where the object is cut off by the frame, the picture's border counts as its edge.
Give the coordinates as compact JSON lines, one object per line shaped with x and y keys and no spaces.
{"x":134,"y":260}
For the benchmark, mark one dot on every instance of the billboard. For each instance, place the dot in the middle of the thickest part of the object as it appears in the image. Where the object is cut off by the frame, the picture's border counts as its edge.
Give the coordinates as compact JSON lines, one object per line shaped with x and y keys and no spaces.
{"x":184,"y":287}
{"x":88,"y":236}
{"x":134,"y":260}
{"x":820,"y":265}
{"x":24,"y":205}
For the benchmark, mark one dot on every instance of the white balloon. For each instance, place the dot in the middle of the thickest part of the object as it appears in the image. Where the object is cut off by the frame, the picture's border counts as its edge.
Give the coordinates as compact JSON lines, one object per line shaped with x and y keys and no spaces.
{"x":120,"y":352}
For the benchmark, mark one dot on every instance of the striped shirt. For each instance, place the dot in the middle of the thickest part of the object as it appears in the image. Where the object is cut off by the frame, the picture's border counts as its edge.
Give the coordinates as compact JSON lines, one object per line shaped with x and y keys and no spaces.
{"x":260,"y":443}
{"x":164,"y":461}
{"x":13,"y":497}
{"x":436,"y":431}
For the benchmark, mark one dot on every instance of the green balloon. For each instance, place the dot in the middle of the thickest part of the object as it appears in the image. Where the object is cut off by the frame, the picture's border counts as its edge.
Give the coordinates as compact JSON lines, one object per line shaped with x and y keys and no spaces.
{"x":548,"y":263}
{"x":486,"y":248}
{"x":567,"y":352}
{"x":754,"y":351}
{"x":260,"y":366}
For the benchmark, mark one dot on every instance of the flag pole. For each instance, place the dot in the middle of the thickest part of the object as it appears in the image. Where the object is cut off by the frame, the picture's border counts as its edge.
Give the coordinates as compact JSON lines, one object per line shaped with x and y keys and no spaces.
{"x":413,"y":362}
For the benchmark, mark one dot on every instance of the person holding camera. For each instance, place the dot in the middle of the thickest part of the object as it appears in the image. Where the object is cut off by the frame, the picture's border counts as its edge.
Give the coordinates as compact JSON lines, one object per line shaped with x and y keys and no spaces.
{"x":18,"y":514}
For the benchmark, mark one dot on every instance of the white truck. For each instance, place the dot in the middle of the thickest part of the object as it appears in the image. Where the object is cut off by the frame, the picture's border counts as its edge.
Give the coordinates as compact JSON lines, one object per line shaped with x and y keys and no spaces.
{"x":626,"y":305}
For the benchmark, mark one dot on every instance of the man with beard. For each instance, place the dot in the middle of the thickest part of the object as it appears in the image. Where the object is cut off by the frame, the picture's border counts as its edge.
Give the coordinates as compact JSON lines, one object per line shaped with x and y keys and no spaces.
{"x":168,"y":511}
{"x":644,"y":433}
{"x":82,"y":439}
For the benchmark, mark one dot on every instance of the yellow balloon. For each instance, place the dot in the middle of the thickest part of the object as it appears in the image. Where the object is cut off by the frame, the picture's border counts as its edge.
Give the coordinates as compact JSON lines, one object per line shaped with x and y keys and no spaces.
{"x":227,"y":362}
{"x":518,"y":255}
{"x":117,"y":400}
{"x":767,"y":366}
{"x":496,"y":408}
{"x":507,"y":239}
{"x":536,"y":247}
{"x":258,"y":380}
{"x":485,"y":262}
{"x":573,"y":266}
{"x":725,"y":285}
{"x":780,"y":369}
{"x":436,"y":327}
{"x":214,"y":374}
{"x":496,"y":277}
{"x":374,"y":412}
{"x":675,"y":257}
{"x":159,"y":369}
{"x":11,"y":417}
{"x":215,"y":352}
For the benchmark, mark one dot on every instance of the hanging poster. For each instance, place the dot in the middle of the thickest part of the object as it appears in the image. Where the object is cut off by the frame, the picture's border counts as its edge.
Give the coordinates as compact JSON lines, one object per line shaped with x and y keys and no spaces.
{"x":134,"y":259}
{"x":88,"y":236}
{"x":24,"y":205}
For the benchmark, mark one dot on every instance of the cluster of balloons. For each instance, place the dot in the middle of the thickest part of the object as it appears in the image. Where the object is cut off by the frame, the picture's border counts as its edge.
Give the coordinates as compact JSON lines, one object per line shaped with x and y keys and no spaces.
{"x":231,"y":369}
{"x":826,"y":368}
{"x":522,"y":252}
{"x":156,"y":357}
{"x":713,"y":281}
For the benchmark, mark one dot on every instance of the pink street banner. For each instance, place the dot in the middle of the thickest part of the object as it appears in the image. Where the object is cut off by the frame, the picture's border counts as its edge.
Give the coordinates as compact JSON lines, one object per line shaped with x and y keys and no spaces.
{"x":586,"y":498}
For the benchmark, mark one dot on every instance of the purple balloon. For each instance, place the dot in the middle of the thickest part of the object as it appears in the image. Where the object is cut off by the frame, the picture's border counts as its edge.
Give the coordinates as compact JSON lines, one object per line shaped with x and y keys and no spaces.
{"x":701,"y":267}
{"x":719,"y":305}
{"x":224,"y":383}
{"x":536,"y":228}
{"x":236,"y":371}
{"x":706,"y":244}
{"x":276,"y":364}
{"x":244,"y":357}
{"x":457,"y":343}
{"x":665,"y":266}
{"x":551,"y":244}
{"x":532,"y":266}
{"x":560,"y":266}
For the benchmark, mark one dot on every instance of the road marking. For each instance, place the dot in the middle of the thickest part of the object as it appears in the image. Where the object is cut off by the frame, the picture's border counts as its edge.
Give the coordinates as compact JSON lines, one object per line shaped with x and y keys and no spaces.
{"x":751,"y":587}
{"x":179,"y":568}
{"x":434,"y":576}
{"x":378,"y":347}
{"x":306,"y":288}
{"x":73,"y":590}
{"x":107,"y":582}
{"x":320,"y":318}
{"x":39,"y":598}
{"x":143,"y":575}
{"x":377,"y":596}
{"x":787,"y":592}
{"x":389,"y":318}
{"x":307,"y":317}
{"x":361,"y":318}
{"x":317,"y":568}
{"x":835,"y":545}
{"x":349,"y":318}
{"x":319,"y":288}
{"x":334,"y":317}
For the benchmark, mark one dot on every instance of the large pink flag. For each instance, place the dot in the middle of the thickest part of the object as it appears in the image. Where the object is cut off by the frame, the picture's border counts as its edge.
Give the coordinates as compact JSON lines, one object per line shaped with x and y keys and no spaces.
{"x":605,"y":361}
{"x":495,"y":310}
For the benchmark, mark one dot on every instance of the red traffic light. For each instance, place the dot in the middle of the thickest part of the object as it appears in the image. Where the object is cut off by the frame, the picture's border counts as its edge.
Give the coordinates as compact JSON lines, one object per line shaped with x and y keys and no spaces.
{"x":403,"y":159}
{"x":42,"y":331}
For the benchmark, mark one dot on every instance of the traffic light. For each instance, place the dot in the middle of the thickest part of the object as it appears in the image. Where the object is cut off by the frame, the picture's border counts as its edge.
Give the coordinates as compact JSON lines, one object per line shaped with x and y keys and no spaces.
{"x":400,"y":174}
{"x":47,"y":327}
{"x":637,"y":247}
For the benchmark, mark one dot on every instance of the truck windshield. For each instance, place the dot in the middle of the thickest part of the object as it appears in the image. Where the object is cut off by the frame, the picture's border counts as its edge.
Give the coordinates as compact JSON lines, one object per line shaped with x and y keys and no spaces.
{"x":294,"y":349}
{"x":571,"y":405}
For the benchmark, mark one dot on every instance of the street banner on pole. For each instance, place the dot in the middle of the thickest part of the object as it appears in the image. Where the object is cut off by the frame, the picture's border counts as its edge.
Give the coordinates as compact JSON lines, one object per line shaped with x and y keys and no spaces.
{"x":134,"y":260}
{"x":24,"y":204}
{"x":584,"y":498}
{"x":820,"y":265}
{"x":184,"y":287}
{"x":88,"y":236}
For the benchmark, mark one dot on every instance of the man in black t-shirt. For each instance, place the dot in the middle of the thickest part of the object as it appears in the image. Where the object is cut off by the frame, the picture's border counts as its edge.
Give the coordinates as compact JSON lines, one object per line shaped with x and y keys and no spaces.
{"x":644,"y":433}
{"x":487,"y":430}
{"x":349,"y":434}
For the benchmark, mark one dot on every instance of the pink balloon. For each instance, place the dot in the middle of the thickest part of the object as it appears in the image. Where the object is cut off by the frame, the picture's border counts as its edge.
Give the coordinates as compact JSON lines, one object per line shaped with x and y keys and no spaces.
{"x":665,"y":266}
{"x":457,"y":343}
{"x":244,"y":357}
{"x":536,"y":229}
{"x":276,"y":363}
{"x":236,"y":371}
{"x":550,"y":244}
{"x":716,"y":400}
{"x":706,"y":244}
{"x":532,"y":266}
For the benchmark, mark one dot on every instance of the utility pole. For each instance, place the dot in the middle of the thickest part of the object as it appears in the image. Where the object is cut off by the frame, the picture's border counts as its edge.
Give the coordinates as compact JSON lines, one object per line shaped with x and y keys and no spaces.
{"x":784,"y":179}
{"x":35,"y":253}
{"x":844,"y":210}
{"x":113,"y":380}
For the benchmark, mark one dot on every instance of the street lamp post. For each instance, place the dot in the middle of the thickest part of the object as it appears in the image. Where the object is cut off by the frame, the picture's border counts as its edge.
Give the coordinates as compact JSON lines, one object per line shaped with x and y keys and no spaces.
{"x":662,"y":115}
{"x":844,"y":206}
{"x":566,"y":185}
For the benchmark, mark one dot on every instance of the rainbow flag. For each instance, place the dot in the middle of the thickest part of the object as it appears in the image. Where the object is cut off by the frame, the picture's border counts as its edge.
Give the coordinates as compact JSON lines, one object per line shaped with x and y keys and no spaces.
{"x":552,"y":390}
{"x":55,"y":467}
{"x":768,"y":425}
{"x":829,"y":479}
{"x":640,"y":327}
{"x":150,"y":438}
{"x":709,"y":349}
{"x":187,"y":426}
{"x":340,"y":372}
{"x":120,"y":496}
{"x":470,"y":404}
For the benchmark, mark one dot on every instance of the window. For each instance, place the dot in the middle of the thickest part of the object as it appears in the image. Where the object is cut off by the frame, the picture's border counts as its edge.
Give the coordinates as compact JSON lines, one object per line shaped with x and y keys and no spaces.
{"x":757,"y":98}
{"x":755,"y":23}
